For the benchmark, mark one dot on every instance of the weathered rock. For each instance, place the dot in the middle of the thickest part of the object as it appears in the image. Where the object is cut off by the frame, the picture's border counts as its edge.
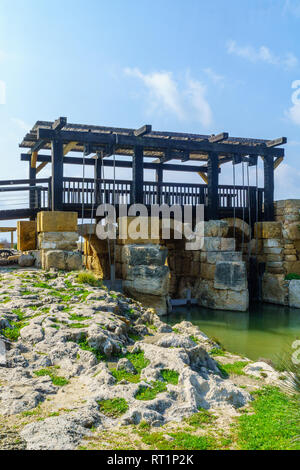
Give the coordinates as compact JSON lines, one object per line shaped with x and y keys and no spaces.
{"x":291,"y":231}
{"x":230,"y":275}
{"x":275,"y":289}
{"x":57,"y":241}
{"x":125,"y":364}
{"x":212,"y":228}
{"x":208,"y":296}
{"x":136,"y":255}
{"x":62,"y":260}
{"x":26,"y":261}
{"x":32,"y":333}
{"x":268,"y":230}
{"x":148,"y":279}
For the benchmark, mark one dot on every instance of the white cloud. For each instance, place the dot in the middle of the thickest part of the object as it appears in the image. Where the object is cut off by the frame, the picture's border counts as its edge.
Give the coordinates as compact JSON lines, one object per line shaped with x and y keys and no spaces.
{"x":262,"y":54}
{"x":216,"y":78}
{"x":184,"y":100}
{"x":163,"y":89}
{"x":2,"y":92}
{"x":196,"y":91}
{"x":293,"y":113}
{"x":21,"y":124}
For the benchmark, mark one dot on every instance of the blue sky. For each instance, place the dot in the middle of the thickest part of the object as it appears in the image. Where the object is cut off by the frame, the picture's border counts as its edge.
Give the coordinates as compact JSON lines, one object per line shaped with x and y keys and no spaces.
{"x":192,"y":65}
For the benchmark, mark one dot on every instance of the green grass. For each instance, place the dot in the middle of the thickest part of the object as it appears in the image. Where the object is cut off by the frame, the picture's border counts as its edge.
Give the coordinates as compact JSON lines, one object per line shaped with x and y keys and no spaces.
{"x":56,"y":379}
{"x":114,"y":407}
{"x":5,"y":300}
{"x":217,"y":352}
{"x":274,"y":424}
{"x":180,"y":441}
{"x":170,"y":376}
{"x":194,"y":339}
{"x":134,"y":337}
{"x":236,"y":368}
{"x":200,"y":418}
{"x":138,"y":361}
{"x":77,"y":325}
{"x":84,"y":345}
{"x":291,"y":276}
{"x":13,"y":333}
{"x":149,"y":393}
{"x":75,"y":317}
{"x":42,"y":285}
{"x":88,"y":278}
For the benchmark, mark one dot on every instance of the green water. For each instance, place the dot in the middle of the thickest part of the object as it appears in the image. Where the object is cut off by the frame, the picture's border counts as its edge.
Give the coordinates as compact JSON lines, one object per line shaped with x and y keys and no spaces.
{"x":266,"y":331}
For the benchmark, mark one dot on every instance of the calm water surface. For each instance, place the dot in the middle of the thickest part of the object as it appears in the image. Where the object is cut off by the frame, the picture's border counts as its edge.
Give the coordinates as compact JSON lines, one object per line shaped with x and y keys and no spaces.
{"x":265,"y":331}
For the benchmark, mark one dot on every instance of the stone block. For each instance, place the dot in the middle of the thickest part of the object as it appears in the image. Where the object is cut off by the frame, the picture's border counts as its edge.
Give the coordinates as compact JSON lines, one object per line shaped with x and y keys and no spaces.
{"x":212,"y":228}
{"x":57,"y":241}
{"x":62,"y":260}
{"x":57,"y":221}
{"x":292,"y":267}
{"x":208,"y":296}
{"x":294,"y":293}
{"x":213,"y":256}
{"x":227,"y":244}
{"x":152,"y":280}
{"x":272,"y":243}
{"x":267,"y":230}
{"x":275,"y":289}
{"x":273,"y":251}
{"x":144,"y":255}
{"x":210,"y":243}
{"x":290,"y":257}
{"x":207,"y":271}
{"x":159,"y":303}
{"x":230,"y":275}
{"x":25,"y":261}
{"x":291,"y":231}
{"x":272,"y":257}
{"x":26,"y":235}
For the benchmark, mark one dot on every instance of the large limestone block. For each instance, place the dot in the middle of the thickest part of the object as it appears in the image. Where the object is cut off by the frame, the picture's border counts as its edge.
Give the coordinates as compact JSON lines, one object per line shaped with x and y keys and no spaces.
{"x":272,"y":243}
{"x":230,"y":275}
{"x":152,"y":280}
{"x":159,"y":303}
{"x":275,"y":289}
{"x":227,"y":244}
{"x":268,"y":230}
{"x":57,"y":221}
{"x":58,"y":241}
{"x":26,"y":233}
{"x":291,"y":267}
{"x":131,"y":227}
{"x":208,"y":296}
{"x":144,"y":255}
{"x":25,"y":260}
{"x":62,"y":260}
{"x":291,"y":231}
{"x":212,"y":228}
{"x":294,"y":293}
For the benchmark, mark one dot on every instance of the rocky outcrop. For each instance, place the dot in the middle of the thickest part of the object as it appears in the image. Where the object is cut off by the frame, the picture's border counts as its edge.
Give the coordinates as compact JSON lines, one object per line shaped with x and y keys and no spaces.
{"x":68,"y":341}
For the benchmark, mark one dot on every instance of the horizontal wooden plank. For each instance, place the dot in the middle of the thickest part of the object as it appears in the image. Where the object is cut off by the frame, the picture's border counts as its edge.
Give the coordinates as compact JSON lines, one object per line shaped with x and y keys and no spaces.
{"x":119,"y":163}
{"x":150,"y":143}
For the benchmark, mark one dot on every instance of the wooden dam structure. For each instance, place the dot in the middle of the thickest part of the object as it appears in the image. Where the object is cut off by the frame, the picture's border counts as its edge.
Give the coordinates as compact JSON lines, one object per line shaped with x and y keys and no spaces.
{"x":48,"y":143}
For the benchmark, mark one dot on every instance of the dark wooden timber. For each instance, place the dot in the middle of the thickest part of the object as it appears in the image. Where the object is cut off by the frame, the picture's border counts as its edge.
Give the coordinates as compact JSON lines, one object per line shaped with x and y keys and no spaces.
{"x":32,"y":176}
{"x":57,"y":174}
{"x":119,"y":163}
{"x":137,"y":176}
{"x":269,"y":188}
{"x":159,"y":180}
{"x":212,"y":186}
{"x":98,"y":177}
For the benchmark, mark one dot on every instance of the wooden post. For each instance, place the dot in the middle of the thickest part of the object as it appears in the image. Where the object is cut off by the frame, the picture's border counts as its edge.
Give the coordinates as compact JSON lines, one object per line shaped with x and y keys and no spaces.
{"x":212,"y":186}
{"x":11,"y":239}
{"x":269,"y":188}
{"x":137,"y":176}
{"x":98,"y":176}
{"x":32,"y":192}
{"x":159,"y":180}
{"x":57,"y":174}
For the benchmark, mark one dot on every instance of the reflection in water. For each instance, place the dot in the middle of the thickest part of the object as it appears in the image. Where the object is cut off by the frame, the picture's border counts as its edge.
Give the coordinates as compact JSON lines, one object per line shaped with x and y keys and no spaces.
{"x":265,"y":331}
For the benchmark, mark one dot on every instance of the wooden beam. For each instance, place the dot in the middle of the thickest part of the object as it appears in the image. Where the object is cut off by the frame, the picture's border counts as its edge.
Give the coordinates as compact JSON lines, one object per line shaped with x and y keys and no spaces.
{"x":268,"y":188}
{"x":68,"y":147}
{"x":277,"y":162}
{"x":137,"y":176}
{"x":120,"y":163}
{"x":146,"y":129}
{"x":203,"y":176}
{"x":57,"y":174}
{"x":148,"y":142}
{"x":275,"y":142}
{"x":218,"y":138}
{"x":34,"y":159}
{"x":41,"y":166}
{"x":212,"y":186}
{"x":59,"y":123}
{"x":7,"y":229}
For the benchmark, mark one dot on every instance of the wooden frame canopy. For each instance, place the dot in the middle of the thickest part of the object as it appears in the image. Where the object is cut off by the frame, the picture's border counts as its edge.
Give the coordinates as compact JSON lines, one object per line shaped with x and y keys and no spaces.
{"x":143,"y":143}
